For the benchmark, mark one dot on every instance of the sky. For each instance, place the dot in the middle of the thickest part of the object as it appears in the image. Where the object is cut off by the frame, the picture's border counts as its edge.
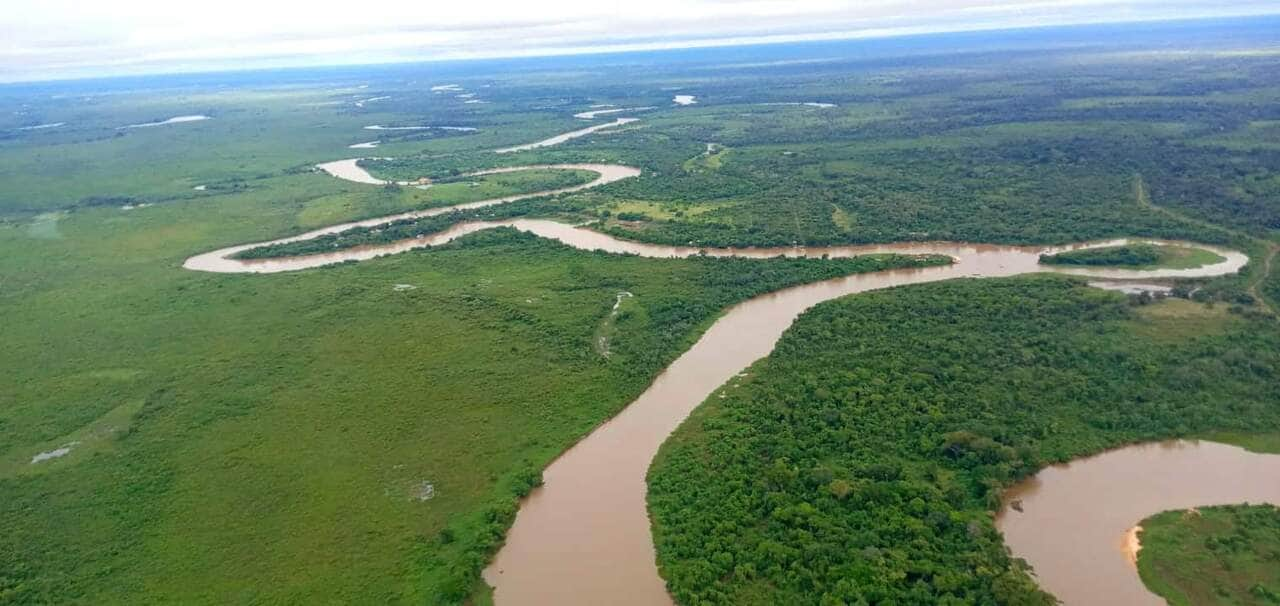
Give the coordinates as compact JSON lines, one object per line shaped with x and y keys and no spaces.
{"x":56,"y":39}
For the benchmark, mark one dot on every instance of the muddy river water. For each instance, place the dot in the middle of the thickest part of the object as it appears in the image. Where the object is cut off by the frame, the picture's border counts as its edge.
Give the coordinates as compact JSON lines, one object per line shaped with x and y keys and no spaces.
{"x":583,"y":537}
{"x":1074,"y":520}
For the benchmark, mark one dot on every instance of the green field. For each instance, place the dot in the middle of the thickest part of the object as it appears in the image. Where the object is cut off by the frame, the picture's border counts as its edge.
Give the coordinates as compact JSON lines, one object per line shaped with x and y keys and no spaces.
{"x":1213,"y":555}
{"x":360,"y":433}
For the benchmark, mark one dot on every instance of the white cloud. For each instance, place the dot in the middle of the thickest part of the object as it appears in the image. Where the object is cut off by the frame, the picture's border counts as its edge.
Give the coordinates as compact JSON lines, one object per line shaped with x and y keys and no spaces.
{"x":71,"y":38}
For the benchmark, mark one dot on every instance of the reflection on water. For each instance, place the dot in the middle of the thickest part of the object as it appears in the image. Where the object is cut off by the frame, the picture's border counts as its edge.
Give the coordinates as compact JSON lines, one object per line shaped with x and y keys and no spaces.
{"x":1074,"y":520}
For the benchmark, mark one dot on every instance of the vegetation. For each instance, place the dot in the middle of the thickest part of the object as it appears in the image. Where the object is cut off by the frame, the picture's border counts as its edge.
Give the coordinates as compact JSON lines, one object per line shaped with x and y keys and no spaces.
{"x":1136,"y":256}
{"x":402,"y":229}
{"x":861,"y":461}
{"x":996,"y":148}
{"x":272,"y":438}
{"x":1213,"y":555}
{"x":457,"y":189}
{"x":238,"y":438}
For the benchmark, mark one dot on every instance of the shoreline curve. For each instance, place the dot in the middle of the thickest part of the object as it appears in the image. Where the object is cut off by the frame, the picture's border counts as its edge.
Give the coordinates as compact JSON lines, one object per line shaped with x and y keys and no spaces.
{"x":583,"y":536}
{"x":1076,"y":523}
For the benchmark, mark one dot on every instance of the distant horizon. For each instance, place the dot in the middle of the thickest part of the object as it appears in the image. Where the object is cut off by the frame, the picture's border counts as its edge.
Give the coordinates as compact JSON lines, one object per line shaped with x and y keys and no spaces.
{"x":46,"y":52}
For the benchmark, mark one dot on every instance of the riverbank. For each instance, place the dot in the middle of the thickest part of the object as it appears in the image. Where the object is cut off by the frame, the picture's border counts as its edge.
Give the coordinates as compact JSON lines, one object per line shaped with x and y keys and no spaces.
{"x":1213,"y":555}
{"x":609,"y":543}
{"x":1076,"y":522}
{"x":875,"y":441}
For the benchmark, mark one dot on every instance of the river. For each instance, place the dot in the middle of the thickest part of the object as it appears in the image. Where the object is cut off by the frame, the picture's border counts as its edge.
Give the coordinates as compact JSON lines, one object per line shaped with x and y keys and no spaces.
{"x":558,"y":139}
{"x":1075,"y":518}
{"x":583,"y":537}
{"x":220,"y":261}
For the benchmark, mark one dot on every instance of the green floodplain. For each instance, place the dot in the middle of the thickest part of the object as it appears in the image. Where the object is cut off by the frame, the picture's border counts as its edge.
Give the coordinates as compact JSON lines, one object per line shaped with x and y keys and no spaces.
{"x":1213,"y":555}
{"x":361,"y":433}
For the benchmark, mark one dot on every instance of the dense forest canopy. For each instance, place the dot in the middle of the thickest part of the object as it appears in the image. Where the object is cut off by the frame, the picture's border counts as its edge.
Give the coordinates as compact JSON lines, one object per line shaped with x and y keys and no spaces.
{"x":861,"y":461}
{"x":1134,"y":256}
{"x":1137,"y":256}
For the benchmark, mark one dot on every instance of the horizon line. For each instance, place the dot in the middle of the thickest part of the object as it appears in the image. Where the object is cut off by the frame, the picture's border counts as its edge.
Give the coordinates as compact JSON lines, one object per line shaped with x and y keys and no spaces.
{"x":869,"y":34}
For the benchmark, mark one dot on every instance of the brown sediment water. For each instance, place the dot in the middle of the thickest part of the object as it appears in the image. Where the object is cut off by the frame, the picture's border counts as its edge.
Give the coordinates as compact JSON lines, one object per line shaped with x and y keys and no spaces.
{"x":973,"y":260}
{"x":422,"y":127}
{"x":591,"y":114}
{"x":583,"y":537}
{"x":558,"y":139}
{"x":173,"y":120}
{"x":350,"y":170}
{"x":219,"y":261}
{"x":1076,"y":524}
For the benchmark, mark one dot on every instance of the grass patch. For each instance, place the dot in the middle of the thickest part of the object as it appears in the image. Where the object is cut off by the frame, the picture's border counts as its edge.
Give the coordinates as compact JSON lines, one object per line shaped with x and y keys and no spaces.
{"x":1266,"y":443}
{"x":1172,"y":319}
{"x":44,"y":226}
{"x":842,"y":218}
{"x":1213,"y":555}
{"x":96,"y":437}
{"x":712,"y":159}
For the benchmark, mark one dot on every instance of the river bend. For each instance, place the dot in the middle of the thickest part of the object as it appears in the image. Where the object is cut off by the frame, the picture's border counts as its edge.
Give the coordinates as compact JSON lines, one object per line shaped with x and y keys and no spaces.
{"x":583,"y":537}
{"x":1075,"y":518}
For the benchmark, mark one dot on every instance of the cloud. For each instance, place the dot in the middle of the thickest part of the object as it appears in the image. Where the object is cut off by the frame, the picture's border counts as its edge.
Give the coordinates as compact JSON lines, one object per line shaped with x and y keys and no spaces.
{"x":70,"y":38}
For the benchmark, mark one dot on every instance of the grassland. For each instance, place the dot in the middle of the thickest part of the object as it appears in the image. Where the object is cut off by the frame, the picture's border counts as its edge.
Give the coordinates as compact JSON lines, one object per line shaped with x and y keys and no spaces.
{"x":1213,"y":555}
{"x":269,"y":438}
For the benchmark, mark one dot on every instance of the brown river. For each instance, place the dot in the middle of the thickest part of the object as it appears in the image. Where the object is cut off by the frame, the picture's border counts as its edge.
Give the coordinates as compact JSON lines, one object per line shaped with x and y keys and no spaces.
{"x":1075,"y":518}
{"x":583,"y":537}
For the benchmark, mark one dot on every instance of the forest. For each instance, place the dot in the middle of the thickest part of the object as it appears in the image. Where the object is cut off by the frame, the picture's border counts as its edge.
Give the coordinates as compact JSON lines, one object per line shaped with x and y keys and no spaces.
{"x":860,"y":463}
{"x":1134,"y":255}
{"x":1063,"y":173}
